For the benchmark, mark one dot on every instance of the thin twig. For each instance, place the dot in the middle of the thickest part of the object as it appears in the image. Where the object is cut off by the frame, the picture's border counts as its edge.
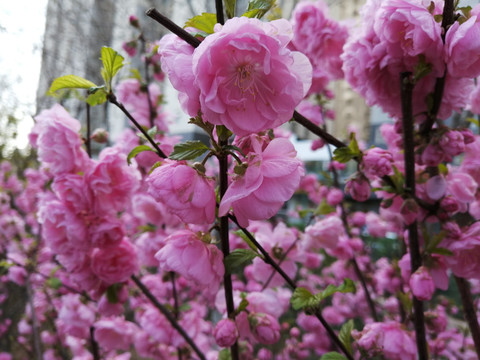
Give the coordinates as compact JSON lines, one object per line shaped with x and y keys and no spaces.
{"x":406,"y":86}
{"x":88,"y":141}
{"x":94,"y":344}
{"x":113,"y":99}
{"x":469,"y":311}
{"x":168,"y":315}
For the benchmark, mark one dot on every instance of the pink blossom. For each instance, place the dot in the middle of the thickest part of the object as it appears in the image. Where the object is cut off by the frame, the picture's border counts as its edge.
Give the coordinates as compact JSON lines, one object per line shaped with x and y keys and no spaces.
{"x":358,"y":187}
{"x":135,"y":98}
{"x":462,"y":47}
{"x":184,"y":191}
{"x":176,"y":58}
{"x":388,"y":339}
{"x":452,"y":143}
{"x":462,"y":187}
{"x":272,"y":176}
{"x":421,"y":284}
{"x":225,"y":333}
{"x":325,"y":232}
{"x":107,"y":232}
{"x":266,"y":328}
{"x":75,"y":317}
{"x":436,"y":187}
{"x":377,"y":162}
{"x":465,"y":261}
{"x":130,"y":48}
{"x":185,"y":252}
{"x":409,"y":211}
{"x":114,"y":333}
{"x":321,"y":39}
{"x":73,"y":191}
{"x":115,"y":264}
{"x":248,"y":80}
{"x":59,"y":143}
{"x":112,"y":182}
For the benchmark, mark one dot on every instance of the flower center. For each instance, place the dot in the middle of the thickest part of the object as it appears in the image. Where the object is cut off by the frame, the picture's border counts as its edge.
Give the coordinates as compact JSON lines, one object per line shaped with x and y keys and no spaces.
{"x":245,"y":78}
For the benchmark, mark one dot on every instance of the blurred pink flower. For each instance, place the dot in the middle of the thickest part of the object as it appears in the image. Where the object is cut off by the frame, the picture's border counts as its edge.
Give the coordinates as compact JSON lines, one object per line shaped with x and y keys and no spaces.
{"x":225,"y":333}
{"x":422,"y":285}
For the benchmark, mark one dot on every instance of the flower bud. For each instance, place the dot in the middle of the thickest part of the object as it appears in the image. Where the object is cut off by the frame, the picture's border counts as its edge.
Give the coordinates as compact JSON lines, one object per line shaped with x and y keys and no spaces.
{"x":100,"y":136}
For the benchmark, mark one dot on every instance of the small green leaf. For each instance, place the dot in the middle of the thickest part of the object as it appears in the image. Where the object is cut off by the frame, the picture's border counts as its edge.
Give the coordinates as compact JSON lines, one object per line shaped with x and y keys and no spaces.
{"x":70,"y":82}
{"x":204,"y":22}
{"x":224,"y":354}
{"x":422,"y":68}
{"x":242,"y":306}
{"x":137,"y":150}
{"x":136,"y":74}
{"x":238,"y":257}
{"x":154,"y":166}
{"x":97,"y":97}
{"x":348,"y":286}
{"x":354,"y":144}
{"x":345,"y":335}
{"x":343,"y":154}
{"x":324,"y":208}
{"x":246,"y":239}
{"x":152,"y":132}
{"x":301,"y":298}
{"x":406,"y":301}
{"x":188,"y":150}
{"x":333,"y":356}
{"x":258,"y":8}
{"x":112,"y":62}
{"x":473,"y":121}
{"x":54,"y":283}
{"x":230,"y":8}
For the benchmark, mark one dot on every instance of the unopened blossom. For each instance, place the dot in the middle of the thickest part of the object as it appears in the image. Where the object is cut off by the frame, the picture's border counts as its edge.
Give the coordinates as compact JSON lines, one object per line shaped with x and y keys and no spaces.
{"x":422,"y":285}
{"x":248,"y":80}
{"x":358,"y":187}
{"x":225,"y":333}
{"x":115,"y":264}
{"x":265,"y":328}
{"x":272,"y":175}
{"x":185,"y":253}
{"x":184,"y":191}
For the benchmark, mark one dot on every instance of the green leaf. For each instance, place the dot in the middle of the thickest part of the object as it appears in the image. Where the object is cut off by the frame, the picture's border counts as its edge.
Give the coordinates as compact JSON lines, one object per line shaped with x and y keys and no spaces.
{"x":242,"y":306}
{"x":324,"y":208}
{"x":258,"y":8}
{"x":97,"y":97}
{"x":136,"y":74}
{"x":473,"y":121}
{"x":204,"y":22}
{"x":224,"y":354}
{"x":54,"y":283}
{"x":112,"y":62}
{"x":230,"y":8}
{"x":238,"y":257}
{"x":348,"y":286}
{"x":188,"y":150}
{"x":301,"y":298}
{"x":70,"y":82}
{"x":152,"y":132}
{"x":406,"y":301}
{"x":343,"y":154}
{"x":333,"y":356}
{"x":154,"y":166}
{"x":345,"y":335}
{"x":354,"y":145}
{"x":137,"y":150}
{"x":246,"y":239}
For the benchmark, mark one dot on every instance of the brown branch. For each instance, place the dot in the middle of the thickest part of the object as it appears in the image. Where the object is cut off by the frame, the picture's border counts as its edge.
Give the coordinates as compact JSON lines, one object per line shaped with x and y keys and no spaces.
{"x":469,"y":311}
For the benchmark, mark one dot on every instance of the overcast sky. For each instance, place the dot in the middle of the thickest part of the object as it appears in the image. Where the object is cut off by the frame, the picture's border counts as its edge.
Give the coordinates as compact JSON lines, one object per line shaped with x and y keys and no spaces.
{"x":22,"y":23}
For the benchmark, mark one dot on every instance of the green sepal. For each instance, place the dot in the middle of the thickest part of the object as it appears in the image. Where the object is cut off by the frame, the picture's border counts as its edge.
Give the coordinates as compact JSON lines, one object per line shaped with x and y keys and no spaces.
{"x":324,"y":208}
{"x":223,"y":133}
{"x":70,"y":82}
{"x":422,"y":68}
{"x":238,"y":257}
{"x":204,"y":22}
{"x":224,"y":354}
{"x":137,"y":150}
{"x":188,"y":150}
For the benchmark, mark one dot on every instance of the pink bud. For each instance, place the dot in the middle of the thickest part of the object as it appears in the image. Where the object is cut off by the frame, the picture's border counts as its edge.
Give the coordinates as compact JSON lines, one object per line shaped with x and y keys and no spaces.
{"x":421,"y":284}
{"x":225,"y":333}
{"x":266,"y":328}
{"x":358,"y":187}
{"x":409,"y":211}
{"x":100,"y":136}
{"x":133,"y":20}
